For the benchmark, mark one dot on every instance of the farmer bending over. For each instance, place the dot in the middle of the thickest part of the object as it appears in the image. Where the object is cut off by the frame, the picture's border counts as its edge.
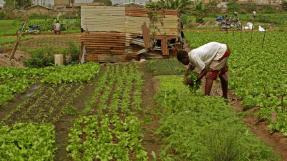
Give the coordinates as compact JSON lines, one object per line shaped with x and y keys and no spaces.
{"x":209,"y":60}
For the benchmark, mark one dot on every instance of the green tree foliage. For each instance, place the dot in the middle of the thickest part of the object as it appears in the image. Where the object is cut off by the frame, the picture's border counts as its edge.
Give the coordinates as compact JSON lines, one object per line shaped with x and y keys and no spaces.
{"x":233,"y":6}
{"x":183,"y":6}
{"x":9,"y":3}
{"x":199,"y":11}
{"x":284,"y":5}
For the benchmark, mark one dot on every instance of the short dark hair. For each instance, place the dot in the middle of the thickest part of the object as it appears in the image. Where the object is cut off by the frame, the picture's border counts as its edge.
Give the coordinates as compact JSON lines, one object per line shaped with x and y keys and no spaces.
{"x":181,"y":55}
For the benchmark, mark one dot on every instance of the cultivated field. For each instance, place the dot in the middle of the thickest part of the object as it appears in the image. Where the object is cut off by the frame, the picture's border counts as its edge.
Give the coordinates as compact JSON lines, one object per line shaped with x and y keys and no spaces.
{"x":143,"y":111}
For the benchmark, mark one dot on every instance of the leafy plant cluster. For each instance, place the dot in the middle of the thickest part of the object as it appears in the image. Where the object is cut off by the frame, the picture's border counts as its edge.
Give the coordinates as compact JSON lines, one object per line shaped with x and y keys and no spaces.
{"x":198,"y":128}
{"x":190,"y":79}
{"x":257,"y":71}
{"x":14,"y":81}
{"x":112,"y":131}
{"x":27,"y":142}
{"x":181,"y":5}
{"x":106,"y":138}
{"x":44,"y":56}
{"x":49,"y":103}
{"x":72,"y":74}
{"x":47,"y":24}
{"x":120,"y":83}
{"x":40,"y":58}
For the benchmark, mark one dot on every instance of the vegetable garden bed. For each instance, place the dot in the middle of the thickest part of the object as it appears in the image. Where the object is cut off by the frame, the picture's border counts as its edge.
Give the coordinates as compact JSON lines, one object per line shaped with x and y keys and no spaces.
{"x":93,"y":112}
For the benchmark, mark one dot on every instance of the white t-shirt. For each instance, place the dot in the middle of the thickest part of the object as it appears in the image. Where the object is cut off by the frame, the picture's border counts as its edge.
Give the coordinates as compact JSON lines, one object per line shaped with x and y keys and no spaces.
{"x":202,"y":56}
{"x":57,"y":26}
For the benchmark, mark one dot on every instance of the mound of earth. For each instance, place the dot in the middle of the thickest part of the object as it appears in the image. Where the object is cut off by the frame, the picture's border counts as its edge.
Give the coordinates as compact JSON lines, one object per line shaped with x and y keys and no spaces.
{"x":18,"y":61}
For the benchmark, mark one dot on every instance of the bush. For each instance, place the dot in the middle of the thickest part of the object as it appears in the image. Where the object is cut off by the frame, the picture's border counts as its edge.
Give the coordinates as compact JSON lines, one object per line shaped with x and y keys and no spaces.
{"x":186,"y":20}
{"x":268,"y":9}
{"x":284,"y":5}
{"x":199,"y":12}
{"x":249,"y":8}
{"x":40,"y":16}
{"x":74,"y":52}
{"x":41,"y":58}
{"x":2,"y":15}
{"x":233,"y":6}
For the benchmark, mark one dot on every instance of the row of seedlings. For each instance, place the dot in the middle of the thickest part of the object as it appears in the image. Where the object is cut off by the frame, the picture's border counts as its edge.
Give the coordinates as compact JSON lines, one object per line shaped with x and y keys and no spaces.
{"x":112,"y":131}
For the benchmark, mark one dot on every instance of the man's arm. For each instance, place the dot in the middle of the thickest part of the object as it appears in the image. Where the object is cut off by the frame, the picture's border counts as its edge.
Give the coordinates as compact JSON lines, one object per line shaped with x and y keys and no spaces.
{"x":202,"y":74}
{"x":200,"y":65}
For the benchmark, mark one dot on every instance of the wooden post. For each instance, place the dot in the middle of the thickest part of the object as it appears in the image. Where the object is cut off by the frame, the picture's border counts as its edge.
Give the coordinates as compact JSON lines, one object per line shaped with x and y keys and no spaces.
{"x":164,"y":46}
{"x":146,"y":36}
{"x":19,"y":36}
{"x":263,"y":39}
{"x":252,"y":29}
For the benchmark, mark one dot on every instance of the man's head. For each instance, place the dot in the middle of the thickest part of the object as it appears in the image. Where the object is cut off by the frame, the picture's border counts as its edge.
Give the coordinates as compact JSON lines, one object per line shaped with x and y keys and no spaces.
{"x":182,"y":56}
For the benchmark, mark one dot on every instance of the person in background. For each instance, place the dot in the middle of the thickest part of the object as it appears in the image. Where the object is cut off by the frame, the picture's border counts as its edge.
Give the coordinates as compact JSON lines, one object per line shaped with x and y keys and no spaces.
{"x":254,"y":14}
{"x":57,"y":27}
{"x":209,"y":60}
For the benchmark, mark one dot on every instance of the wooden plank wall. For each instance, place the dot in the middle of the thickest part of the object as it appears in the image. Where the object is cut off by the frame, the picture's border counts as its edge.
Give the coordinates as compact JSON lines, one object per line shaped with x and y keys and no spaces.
{"x":126,"y":19}
{"x":103,"y":18}
{"x":105,"y":46}
{"x":110,"y":30}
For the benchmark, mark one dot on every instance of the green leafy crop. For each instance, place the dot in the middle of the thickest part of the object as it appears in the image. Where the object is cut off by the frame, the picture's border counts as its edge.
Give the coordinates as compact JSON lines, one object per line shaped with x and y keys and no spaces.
{"x":257,"y":69}
{"x":27,"y":142}
{"x":198,"y":128}
{"x":72,"y":74}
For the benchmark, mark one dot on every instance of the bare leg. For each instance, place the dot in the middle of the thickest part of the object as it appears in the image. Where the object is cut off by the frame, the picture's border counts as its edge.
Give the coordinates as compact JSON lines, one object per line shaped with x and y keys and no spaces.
{"x":208,"y":86}
{"x":224,"y":85}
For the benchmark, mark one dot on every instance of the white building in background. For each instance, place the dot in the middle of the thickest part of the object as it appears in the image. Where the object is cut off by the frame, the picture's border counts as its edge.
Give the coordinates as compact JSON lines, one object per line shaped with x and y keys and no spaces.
{"x":45,"y":3}
{"x":2,"y":4}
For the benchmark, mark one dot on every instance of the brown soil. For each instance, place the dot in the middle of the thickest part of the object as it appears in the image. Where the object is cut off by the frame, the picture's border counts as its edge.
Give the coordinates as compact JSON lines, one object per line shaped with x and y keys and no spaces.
{"x":12,"y":105}
{"x":275,"y":140}
{"x":66,"y":122}
{"x":62,"y":130}
{"x":35,"y":42}
{"x":86,"y":93}
{"x":151,"y":141}
{"x":20,"y":57}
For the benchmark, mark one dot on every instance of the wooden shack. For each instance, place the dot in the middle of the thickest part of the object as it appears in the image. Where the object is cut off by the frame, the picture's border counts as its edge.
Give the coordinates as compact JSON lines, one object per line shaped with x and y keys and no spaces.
{"x":113,"y":34}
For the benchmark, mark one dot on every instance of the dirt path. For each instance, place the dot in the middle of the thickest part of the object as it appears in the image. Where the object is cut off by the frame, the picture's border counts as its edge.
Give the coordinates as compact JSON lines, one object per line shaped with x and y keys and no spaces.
{"x":62,"y":130}
{"x":151,"y":142}
{"x":276,"y":140}
{"x":66,"y":122}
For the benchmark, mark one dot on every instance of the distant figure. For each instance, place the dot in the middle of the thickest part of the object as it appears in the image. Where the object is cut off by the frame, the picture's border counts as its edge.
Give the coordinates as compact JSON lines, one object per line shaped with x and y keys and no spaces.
{"x":57,"y":28}
{"x":254,"y":14}
{"x":235,"y":14}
